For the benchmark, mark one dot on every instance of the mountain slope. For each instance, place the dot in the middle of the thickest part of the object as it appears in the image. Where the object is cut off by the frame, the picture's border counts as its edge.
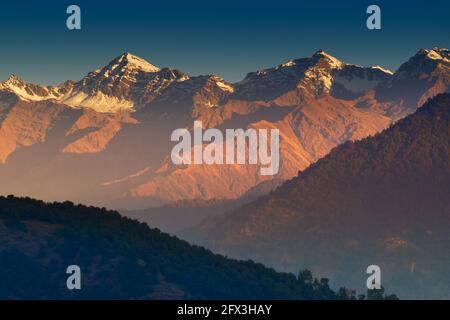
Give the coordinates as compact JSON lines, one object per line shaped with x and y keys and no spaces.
{"x":383,"y":200}
{"x":123,"y":259}
{"x":307,"y":133}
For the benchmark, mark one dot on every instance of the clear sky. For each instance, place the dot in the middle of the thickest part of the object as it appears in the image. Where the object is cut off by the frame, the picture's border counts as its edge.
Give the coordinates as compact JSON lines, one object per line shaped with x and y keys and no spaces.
{"x":229,"y":37}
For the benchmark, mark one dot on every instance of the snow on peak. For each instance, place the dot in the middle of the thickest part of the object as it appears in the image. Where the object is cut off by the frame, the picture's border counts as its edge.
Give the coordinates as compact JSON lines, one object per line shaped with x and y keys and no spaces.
{"x":224,"y":86}
{"x":12,"y":80}
{"x":130,"y":61}
{"x":382,"y":69}
{"x":289,"y":63}
{"x":26,"y":91}
{"x":122,"y":84}
{"x":442,"y":51}
{"x":333,"y":62}
{"x":435,"y":54}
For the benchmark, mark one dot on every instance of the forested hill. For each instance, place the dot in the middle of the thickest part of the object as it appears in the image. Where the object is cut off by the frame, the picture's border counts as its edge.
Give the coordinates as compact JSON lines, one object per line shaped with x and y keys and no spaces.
{"x":124,"y":259}
{"x":382,"y":200}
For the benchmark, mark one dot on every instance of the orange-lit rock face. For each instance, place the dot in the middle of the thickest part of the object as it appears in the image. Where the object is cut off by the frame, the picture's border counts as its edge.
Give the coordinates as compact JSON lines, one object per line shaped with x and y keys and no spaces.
{"x":106,"y":127}
{"x":307,"y":133}
{"x":26,"y":124}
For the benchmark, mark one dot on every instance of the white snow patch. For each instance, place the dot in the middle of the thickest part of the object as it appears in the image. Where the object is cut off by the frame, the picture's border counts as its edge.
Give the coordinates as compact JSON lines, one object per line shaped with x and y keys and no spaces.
{"x":434,"y":55}
{"x":139,"y":63}
{"x":98,"y":102}
{"x":224,"y":86}
{"x":289,"y":63}
{"x":25,"y":91}
{"x":382,"y":69}
{"x":332,"y":61}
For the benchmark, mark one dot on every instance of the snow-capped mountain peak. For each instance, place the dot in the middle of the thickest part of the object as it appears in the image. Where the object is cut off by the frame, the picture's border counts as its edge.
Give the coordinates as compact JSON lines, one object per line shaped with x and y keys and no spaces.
{"x":428,"y":68}
{"x":130,"y":61}
{"x":424,"y":63}
{"x":312,"y":76}
{"x":332,"y":61}
{"x":435,"y":54}
{"x":319,"y":59}
{"x":13,"y":79}
{"x":28,"y":91}
{"x":126,"y":63}
{"x":127,"y":82}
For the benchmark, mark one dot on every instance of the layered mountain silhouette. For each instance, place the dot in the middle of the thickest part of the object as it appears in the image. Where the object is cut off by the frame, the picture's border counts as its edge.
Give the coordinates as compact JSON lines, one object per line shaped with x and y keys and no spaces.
{"x":123,"y":259}
{"x":380,"y":201}
{"x":179,"y":217}
{"x":106,"y":138}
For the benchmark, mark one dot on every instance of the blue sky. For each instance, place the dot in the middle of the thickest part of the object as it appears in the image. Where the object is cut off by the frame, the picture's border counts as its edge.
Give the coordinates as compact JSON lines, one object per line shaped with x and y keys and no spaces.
{"x":229,"y":38}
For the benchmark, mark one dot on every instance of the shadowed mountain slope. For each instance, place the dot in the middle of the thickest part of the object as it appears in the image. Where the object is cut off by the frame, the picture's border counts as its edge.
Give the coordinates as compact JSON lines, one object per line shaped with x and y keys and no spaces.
{"x":123,"y":259}
{"x":383,"y":200}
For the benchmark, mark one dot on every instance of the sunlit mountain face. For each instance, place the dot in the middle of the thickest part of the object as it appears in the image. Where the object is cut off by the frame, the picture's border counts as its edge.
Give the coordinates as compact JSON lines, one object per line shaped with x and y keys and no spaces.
{"x":106,"y":138}
{"x":98,"y":99}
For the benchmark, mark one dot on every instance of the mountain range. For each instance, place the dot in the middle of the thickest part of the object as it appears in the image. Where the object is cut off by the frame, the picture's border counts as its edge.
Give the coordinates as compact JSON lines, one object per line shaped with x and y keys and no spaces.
{"x":379,"y":201}
{"x":105,"y":139}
